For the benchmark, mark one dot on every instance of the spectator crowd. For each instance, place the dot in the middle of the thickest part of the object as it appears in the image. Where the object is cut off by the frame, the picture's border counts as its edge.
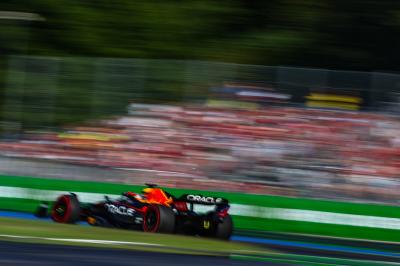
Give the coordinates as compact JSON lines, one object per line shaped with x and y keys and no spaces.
{"x":270,"y":150}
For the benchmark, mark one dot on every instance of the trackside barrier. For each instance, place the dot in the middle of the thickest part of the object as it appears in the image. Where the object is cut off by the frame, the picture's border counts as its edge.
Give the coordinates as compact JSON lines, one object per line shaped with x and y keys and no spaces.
{"x":255,"y":212}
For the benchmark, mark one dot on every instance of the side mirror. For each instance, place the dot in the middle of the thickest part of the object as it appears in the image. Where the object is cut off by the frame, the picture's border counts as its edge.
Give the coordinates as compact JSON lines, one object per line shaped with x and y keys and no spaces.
{"x":107,"y":198}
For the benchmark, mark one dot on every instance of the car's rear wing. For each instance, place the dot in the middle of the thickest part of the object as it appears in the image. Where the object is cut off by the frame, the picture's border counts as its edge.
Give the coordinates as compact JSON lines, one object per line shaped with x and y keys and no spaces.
{"x":204,"y":200}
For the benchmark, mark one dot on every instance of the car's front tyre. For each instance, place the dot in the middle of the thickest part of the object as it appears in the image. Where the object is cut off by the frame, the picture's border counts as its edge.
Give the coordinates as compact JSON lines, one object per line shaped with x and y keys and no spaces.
{"x":66,"y":209}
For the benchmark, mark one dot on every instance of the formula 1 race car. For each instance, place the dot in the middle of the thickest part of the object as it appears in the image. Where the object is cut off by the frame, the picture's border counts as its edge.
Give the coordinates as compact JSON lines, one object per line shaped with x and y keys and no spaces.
{"x":155,"y":210}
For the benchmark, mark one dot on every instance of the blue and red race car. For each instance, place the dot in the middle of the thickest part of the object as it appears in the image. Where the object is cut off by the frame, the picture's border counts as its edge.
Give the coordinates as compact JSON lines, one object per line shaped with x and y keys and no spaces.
{"x":155,"y":210}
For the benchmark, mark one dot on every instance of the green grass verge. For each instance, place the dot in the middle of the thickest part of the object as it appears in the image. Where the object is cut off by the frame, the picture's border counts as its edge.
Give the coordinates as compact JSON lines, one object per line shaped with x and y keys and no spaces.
{"x":38,"y":231}
{"x":311,"y":260}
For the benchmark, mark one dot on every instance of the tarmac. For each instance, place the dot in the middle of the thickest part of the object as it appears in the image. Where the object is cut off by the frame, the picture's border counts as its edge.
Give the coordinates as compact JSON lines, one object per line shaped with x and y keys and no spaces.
{"x":15,"y":253}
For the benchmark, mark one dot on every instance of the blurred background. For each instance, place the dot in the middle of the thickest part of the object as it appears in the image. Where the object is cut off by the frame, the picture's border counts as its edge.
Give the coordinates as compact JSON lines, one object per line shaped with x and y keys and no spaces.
{"x":284,"y":97}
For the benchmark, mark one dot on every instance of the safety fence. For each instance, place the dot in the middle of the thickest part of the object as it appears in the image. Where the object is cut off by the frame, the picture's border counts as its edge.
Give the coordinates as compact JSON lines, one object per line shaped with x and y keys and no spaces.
{"x":41,"y":92}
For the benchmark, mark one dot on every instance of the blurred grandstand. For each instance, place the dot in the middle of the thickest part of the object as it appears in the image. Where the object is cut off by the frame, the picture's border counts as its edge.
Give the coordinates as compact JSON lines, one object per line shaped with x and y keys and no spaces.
{"x":258,"y":129}
{"x":270,"y":150}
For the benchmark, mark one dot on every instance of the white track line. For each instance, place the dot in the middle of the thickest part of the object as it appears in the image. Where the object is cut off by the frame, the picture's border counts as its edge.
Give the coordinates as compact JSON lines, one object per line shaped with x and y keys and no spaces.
{"x":92,"y":241}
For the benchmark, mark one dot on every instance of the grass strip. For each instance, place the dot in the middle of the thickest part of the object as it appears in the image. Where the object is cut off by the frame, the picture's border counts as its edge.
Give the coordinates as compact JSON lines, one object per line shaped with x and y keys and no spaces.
{"x":42,"y":232}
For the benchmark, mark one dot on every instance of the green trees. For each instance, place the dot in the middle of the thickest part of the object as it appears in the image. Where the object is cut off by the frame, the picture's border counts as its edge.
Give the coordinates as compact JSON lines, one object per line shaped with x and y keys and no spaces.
{"x":345,"y":35}
{"x":353,"y":35}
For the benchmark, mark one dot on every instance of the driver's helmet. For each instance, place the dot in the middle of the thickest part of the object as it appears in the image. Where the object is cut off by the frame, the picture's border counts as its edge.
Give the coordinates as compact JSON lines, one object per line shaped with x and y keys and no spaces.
{"x":146,"y":190}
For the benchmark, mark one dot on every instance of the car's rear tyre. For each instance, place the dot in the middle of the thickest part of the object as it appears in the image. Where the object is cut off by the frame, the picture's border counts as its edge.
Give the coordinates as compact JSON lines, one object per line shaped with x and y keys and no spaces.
{"x":224,"y":229}
{"x":66,"y":209}
{"x":159,"y":219}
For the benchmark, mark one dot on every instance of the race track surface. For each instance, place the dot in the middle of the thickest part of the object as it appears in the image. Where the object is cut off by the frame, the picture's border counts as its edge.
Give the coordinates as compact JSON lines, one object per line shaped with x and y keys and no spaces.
{"x":336,"y":248}
{"x":14,"y":253}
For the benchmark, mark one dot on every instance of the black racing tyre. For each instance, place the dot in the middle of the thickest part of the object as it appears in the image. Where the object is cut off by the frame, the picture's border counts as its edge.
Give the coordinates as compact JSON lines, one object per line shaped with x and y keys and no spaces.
{"x":224,"y":229}
{"x":66,"y":209}
{"x":159,"y":219}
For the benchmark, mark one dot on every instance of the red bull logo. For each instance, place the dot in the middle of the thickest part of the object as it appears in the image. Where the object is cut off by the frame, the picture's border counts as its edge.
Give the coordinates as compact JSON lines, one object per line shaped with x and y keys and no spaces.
{"x":157,"y":196}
